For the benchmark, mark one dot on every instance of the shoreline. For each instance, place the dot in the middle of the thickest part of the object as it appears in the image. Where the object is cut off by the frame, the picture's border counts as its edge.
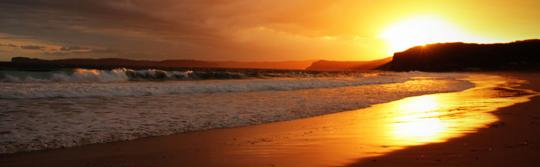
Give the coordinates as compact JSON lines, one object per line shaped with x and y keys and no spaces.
{"x":511,"y":141}
{"x":217,"y":147}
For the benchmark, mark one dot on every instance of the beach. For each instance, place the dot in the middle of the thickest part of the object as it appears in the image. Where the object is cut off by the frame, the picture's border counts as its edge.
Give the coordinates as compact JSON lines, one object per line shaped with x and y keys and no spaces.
{"x":493,"y":124}
{"x":512,"y":141}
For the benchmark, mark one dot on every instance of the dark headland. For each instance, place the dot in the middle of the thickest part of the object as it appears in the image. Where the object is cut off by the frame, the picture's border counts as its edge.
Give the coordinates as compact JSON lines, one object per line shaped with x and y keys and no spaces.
{"x":514,"y":56}
{"x":458,"y":56}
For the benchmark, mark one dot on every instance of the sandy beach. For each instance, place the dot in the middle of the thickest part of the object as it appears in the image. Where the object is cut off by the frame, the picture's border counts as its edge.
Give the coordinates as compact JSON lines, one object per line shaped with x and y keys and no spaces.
{"x":450,"y":129}
{"x":512,"y":141}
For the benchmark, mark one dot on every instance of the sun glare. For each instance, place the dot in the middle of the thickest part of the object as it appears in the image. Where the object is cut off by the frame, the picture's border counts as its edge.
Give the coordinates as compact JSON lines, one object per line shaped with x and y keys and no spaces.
{"x":419,"y":31}
{"x":421,"y":104}
{"x":419,"y":122}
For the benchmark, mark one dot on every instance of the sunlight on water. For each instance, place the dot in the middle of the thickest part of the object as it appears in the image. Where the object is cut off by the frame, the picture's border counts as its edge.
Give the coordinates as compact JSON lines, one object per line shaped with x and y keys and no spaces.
{"x":416,"y":121}
{"x":420,"y":130}
{"x":350,"y":136}
{"x":439,"y":117}
{"x":431,"y":118}
{"x":420,"y":104}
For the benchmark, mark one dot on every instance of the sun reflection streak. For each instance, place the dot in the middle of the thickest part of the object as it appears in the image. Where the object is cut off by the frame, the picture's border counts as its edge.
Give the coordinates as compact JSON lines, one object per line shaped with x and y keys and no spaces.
{"x":421,"y":130}
{"x":416,"y":120}
{"x":420,"y":104}
{"x":439,"y":117}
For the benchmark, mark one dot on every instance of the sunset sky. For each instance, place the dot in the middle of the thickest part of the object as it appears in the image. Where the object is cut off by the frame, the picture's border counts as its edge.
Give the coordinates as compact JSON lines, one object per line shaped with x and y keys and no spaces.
{"x":254,"y":30}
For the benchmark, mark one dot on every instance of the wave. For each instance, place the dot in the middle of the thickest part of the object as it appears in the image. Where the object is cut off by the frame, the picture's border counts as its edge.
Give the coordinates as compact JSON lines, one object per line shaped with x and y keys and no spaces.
{"x":94,"y":75}
{"x":113,"y":89}
{"x":124,"y":74}
{"x":82,"y":83}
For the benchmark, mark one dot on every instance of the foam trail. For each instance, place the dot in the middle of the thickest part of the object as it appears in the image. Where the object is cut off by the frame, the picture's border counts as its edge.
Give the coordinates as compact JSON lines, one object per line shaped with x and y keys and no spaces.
{"x":31,"y":118}
{"x":82,"y":83}
{"x":92,"y":89}
{"x":93,"y":75}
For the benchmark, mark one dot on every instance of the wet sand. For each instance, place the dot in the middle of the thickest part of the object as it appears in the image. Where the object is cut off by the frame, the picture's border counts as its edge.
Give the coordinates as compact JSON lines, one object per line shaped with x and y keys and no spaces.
{"x":514,"y":140}
{"x":452,"y":129}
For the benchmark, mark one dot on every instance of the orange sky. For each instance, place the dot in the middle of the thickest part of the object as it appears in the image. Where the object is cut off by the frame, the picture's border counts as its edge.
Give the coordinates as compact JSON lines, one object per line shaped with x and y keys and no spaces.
{"x":265,"y":30}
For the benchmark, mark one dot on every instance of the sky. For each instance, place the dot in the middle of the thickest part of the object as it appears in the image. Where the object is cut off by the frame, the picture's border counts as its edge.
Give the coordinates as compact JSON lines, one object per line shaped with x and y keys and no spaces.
{"x":254,"y":30}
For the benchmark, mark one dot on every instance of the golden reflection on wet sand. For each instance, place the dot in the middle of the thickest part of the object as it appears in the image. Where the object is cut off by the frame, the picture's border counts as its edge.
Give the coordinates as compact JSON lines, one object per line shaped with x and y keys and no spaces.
{"x":344,"y":137}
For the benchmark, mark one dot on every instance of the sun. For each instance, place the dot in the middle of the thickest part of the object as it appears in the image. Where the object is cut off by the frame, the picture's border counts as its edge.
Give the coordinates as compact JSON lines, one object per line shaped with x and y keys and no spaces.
{"x":419,"y":31}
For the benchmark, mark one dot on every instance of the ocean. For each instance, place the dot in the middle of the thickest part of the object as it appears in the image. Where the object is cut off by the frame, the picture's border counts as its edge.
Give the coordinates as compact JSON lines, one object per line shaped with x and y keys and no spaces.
{"x":72,"y":107}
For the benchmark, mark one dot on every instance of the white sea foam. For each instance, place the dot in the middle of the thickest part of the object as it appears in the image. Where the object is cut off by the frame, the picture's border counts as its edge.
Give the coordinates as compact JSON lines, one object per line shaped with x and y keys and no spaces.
{"x":10,"y":90}
{"x":33,"y":118}
{"x":92,"y":75}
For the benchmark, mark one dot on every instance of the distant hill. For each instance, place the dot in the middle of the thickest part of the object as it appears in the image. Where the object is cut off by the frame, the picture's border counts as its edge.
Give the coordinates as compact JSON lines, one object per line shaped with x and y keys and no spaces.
{"x":325,"y":65}
{"x":109,"y":63}
{"x":519,"y":55}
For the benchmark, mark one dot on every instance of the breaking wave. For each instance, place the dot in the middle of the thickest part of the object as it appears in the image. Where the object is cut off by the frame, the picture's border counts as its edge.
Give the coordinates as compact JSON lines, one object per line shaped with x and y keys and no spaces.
{"x":114,"y":89}
{"x":81,"y":83}
{"x":115,"y":75}
{"x":124,"y":75}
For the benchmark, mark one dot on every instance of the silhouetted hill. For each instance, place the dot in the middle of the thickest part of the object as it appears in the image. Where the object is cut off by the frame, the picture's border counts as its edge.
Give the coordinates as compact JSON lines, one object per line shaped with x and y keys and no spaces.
{"x":325,"y":65}
{"x":519,"y":55}
{"x":110,"y":63}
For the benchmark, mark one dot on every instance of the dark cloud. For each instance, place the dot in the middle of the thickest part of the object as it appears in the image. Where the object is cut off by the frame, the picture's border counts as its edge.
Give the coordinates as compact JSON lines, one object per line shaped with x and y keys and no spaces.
{"x":175,"y":19}
{"x":9,"y":45}
{"x":105,"y":21}
{"x":32,"y":47}
{"x":199,"y":29}
{"x":82,"y":49}
{"x":78,"y":51}
{"x":74,"y":49}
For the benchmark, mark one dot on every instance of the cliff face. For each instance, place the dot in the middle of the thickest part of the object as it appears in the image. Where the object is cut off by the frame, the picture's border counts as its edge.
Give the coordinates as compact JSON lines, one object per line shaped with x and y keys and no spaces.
{"x":324,"y":65}
{"x":520,"y":55}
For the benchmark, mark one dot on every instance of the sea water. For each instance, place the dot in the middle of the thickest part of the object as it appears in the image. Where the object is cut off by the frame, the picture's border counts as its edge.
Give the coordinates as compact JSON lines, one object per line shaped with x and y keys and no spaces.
{"x":72,"y":107}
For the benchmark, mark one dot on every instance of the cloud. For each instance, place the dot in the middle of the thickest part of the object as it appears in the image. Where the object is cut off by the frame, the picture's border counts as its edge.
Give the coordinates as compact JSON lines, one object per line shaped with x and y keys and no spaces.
{"x":8,"y":45}
{"x":195,"y":20}
{"x":67,"y":50}
{"x":24,"y":46}
{"x":32,"y":47}
{"x":197,"y":29}
{"x":74,"y":49}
